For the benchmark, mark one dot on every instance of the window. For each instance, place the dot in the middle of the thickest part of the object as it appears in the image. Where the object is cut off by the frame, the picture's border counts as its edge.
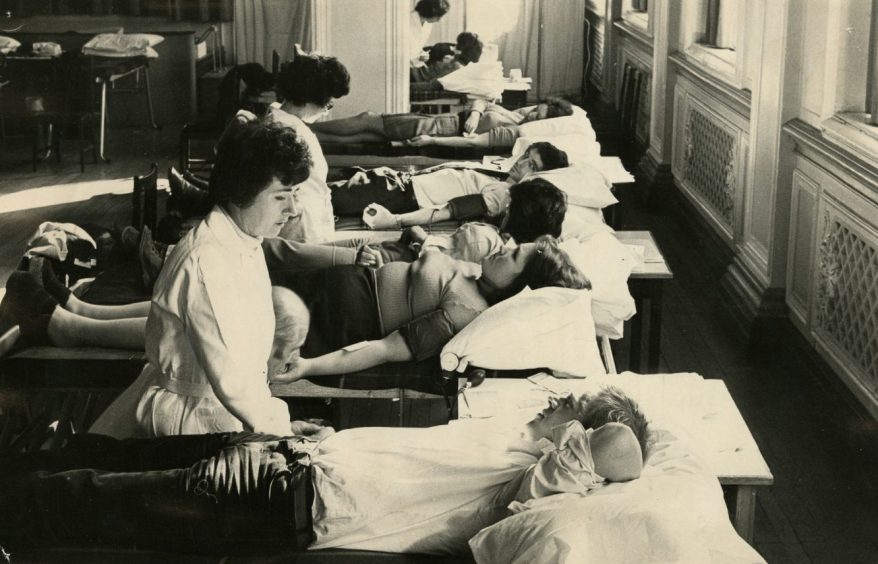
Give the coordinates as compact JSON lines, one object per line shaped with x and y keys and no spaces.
{"x":636,"y":13}
{"x":713,"y":35}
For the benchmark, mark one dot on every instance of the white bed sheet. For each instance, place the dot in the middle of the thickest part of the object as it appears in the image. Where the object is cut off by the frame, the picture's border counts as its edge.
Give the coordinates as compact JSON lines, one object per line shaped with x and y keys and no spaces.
{"x":674,"y":513}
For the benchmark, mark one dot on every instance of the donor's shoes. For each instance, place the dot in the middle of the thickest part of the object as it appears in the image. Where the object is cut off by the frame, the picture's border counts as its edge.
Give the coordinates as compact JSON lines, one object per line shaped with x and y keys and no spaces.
{"x":25,"y":311}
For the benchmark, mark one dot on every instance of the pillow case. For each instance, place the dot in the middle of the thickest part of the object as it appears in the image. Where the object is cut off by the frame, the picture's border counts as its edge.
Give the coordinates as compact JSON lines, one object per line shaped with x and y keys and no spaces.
{"x":577,"y":123}
{"x":584,"y":185}
{"x":582,"y":222}
{"x":549,"y":327}
{"x":608,"y":264}
{"x":8,"y":45}
{"x":673,"y":514}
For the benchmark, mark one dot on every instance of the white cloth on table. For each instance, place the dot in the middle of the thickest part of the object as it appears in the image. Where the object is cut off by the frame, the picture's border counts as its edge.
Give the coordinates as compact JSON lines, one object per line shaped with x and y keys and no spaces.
{"x":315,"y":222}
{"x":483,"y":79}
{"x":436,"y":188}
{"x":208,"y":337}
{"x":424,"y":490}
{"x":120,"y":44}
{"x":51,"y":239}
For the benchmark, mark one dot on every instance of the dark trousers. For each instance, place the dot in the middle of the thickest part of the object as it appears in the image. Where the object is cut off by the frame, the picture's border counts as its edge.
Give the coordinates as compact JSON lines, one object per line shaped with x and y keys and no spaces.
{"x":208,"y":493}
{"x":350,"y":202}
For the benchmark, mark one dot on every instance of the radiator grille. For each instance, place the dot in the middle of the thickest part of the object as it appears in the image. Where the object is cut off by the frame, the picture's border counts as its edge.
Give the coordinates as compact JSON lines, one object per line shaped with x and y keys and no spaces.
{"x":847,"y":296}
{"x":709,"y":163}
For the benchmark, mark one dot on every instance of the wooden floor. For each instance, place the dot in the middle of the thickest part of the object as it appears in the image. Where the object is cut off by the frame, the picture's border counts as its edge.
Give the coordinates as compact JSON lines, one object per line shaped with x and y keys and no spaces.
{"x":821,"y":447}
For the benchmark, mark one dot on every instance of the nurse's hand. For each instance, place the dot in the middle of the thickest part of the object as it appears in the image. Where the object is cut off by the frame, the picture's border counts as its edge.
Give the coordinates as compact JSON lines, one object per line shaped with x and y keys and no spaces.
{"x":312,"y":430}
{"x":369,"y":257}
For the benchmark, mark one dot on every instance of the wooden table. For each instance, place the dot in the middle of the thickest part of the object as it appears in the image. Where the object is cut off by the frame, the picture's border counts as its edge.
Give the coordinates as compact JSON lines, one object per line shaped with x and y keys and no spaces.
{"x":646,"y":285}
{"x":703,"y":408}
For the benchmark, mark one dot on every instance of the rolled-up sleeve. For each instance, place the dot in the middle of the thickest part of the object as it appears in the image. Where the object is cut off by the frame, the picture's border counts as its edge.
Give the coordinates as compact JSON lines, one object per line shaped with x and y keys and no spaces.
{"x":427,"y":334}
{"x":503,"y":136}
{"x":219,"y":328}
{"x":286,"y":258}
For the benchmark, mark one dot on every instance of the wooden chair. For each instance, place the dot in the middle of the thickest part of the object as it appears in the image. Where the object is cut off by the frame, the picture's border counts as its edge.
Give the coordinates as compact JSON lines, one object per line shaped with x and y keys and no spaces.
{"x":145,"y":199}
{"x":49,"y":98}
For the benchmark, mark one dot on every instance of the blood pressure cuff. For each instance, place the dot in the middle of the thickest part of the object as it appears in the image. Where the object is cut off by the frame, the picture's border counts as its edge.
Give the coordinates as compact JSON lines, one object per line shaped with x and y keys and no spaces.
{"x":468,"y":207}
{"x":426,"y":335}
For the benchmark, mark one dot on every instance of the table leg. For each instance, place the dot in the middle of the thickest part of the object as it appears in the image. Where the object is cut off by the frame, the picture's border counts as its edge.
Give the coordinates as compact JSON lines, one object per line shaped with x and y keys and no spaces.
{"x":401,"y":407}
{"x":637,"y":324}
{"x":745,"y":511}
{"x":655,"y":328}
{"x":103,"y":134}
{"x":152,"y":122}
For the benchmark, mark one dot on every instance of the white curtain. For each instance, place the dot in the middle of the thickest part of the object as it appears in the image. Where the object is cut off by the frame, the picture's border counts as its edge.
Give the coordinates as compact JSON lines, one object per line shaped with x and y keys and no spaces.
{"x":727,"y":26}
{"x":452,"y":23}
{"x":563,"y":47}
{"x":263,"y":26}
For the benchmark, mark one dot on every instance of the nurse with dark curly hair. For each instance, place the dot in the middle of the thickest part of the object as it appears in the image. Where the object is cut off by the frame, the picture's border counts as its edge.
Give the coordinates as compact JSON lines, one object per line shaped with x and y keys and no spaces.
{"x":306,"y":88}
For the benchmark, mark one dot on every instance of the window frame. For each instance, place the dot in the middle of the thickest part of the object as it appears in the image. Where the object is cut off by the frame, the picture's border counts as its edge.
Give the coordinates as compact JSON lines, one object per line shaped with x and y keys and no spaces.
{"x":726,"y":64}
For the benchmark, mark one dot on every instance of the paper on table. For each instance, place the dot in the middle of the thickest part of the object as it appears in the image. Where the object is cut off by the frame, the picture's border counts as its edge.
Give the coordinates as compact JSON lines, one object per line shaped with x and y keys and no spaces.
{"x":637,"y":251}
{"x":550,"y":383}
{"x":613,"y":169}
{"x":650,"y":252}
{"x":490,"y":403}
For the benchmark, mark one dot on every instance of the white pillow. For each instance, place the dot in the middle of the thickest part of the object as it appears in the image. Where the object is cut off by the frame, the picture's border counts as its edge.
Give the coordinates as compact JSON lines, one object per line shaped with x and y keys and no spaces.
{"x":577,"y":123}
{"x":581,"y":223}
{"x":607,"y":264}
{"x":8,"y":45}
{"x":549,"y":327}
{"x":584,"y":185}
{"x":151,"y":38}
{"x":676,"y":515}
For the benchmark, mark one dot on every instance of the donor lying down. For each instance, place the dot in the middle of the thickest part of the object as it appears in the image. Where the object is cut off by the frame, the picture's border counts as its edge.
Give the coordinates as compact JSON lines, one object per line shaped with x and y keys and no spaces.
{"x":387,"y":489}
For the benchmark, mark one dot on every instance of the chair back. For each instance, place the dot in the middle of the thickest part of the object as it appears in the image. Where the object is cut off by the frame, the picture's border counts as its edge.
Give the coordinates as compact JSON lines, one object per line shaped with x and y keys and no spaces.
{"x":145,"y":199}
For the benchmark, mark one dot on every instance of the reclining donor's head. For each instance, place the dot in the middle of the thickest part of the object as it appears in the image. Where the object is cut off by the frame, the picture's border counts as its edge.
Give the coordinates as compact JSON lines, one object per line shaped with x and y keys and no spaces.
{"x":291,"y":322}
{"x":549,"y":108}
{"x":312,"y":80}
{"x":536,"y":207}
{"x":469,"y":47}
{"x":258,"y":166}
{"x":535,"y":265}
{"x":539,"y":157}
{"x":620,"y":442}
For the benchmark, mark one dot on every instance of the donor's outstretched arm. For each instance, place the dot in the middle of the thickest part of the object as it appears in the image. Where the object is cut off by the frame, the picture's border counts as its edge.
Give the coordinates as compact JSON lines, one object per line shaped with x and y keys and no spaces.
{"x":391,"y":348}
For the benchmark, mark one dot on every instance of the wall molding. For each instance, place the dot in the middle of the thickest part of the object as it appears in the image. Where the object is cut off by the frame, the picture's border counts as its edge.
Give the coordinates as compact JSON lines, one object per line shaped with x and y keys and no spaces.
{"x":322,"y":18}
{"x":735,"y":98}
{"x":635,"y":34}
{"x":397,"y":38}
{"x":859,"y":174}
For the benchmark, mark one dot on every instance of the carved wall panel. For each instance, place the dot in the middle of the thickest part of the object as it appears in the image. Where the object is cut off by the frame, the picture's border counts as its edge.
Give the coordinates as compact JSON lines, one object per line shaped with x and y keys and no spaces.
{"x":846,"y":294}
{"x":710,"y":155}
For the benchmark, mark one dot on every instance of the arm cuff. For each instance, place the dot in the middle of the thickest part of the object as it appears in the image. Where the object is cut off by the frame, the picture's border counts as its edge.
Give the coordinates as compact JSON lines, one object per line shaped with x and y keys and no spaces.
{"x":467,"y":207}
